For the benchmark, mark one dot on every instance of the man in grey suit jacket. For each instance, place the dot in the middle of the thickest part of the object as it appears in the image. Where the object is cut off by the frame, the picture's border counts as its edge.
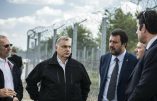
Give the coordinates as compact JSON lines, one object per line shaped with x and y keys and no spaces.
{"x":142,"y":84}
{"x":117,"y":45}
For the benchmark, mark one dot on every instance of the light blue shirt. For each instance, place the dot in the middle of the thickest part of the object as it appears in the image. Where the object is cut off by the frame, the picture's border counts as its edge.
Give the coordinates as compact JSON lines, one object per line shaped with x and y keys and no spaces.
{"x":111,"y":67}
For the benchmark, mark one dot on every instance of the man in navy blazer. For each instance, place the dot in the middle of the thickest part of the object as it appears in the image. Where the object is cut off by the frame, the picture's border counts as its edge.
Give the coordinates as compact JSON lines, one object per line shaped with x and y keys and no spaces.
{"x":142,"y":84}
{"x":117,"y":45}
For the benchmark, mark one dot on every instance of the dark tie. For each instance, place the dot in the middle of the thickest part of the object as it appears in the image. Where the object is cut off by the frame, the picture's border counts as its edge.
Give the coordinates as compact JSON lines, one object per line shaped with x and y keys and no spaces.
{"x":113,"y":82}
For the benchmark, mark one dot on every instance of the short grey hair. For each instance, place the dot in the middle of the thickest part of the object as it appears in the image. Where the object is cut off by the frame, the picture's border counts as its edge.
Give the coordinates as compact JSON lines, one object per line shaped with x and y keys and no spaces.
{"x":1,"y":40}
{"x":64,"y":38}
{"x":2,"y":37}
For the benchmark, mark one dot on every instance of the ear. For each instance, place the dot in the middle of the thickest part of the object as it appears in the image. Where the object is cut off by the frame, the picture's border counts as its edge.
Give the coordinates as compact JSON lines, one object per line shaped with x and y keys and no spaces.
{"x":125,"y":45}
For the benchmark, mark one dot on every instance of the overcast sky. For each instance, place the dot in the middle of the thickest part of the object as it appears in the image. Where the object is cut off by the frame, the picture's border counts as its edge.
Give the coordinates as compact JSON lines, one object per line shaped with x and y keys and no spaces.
{"x":18,"y":16}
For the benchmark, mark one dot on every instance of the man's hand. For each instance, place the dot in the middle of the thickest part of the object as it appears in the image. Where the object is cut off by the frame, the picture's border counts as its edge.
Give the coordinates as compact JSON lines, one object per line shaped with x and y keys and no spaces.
{"x":15,"y":99}
{"x":4,"y":92}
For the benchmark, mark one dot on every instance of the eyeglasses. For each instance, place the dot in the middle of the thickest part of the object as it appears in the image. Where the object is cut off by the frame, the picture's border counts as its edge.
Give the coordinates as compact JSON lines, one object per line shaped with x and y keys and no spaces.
{"x":144,"y":16}
{"x":7,"y":45}
{"x":145,"y":19}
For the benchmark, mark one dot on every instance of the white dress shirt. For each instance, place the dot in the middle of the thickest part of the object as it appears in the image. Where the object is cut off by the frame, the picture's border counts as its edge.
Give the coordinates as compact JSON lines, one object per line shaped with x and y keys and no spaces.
{"x":151,"y":41}
{"x":6,"y":67}
{"x":110,"y":70}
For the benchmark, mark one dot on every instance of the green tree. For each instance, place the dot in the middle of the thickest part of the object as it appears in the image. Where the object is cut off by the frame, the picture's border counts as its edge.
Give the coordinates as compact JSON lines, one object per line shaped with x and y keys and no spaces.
{"x":84,"y":37}
{"x":124,"y":21}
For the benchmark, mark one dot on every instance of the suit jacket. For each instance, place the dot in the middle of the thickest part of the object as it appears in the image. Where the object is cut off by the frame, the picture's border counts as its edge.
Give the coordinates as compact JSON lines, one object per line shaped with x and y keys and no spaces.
{"x":16,"y":60}
{"x":128,"y":65}
{"x":17,"y":84}
{"x":142,"y":84}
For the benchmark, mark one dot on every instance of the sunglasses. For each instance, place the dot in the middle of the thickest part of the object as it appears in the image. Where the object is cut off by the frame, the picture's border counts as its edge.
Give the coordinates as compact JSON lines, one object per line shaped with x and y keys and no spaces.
{"x":144,"y":16}
{"x":7,"y":45}
{"x":145,"y":19}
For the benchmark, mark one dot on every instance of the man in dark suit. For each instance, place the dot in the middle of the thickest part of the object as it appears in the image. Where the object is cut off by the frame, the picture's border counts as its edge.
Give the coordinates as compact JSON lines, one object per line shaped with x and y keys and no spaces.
{"x":142,"y":84}
{"x":11,"y":88}
{"x":110,"y":91}
{"x":15,"y":59}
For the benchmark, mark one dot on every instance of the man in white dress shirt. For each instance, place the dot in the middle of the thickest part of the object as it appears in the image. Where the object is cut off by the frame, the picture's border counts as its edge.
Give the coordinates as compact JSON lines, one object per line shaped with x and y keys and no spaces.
{"x":10,"y":83}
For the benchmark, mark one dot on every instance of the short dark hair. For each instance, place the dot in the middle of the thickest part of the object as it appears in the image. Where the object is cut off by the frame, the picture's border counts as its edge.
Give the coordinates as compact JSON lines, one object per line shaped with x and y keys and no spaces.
{"x":149,"y":18}
{"x":14,"y":49}
{"x":122,"y":34}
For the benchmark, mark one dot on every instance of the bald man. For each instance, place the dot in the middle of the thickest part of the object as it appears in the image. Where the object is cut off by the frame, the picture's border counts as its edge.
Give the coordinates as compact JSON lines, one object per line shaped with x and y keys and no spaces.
{"x":139,"y":50}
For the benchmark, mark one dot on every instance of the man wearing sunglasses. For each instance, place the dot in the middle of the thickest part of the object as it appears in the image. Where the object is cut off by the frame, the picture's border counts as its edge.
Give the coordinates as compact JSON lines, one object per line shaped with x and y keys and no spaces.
{"x":142,"y":84}
{"x":11,"y":88}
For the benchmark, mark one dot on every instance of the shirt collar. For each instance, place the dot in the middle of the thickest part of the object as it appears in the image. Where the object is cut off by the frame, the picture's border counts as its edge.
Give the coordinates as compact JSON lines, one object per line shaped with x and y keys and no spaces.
{"x":60,"y":61}
{"x":6,"y":60}
{"x":151,"y":41}
{"x":2,"y":60}
{"x":120,"y":57}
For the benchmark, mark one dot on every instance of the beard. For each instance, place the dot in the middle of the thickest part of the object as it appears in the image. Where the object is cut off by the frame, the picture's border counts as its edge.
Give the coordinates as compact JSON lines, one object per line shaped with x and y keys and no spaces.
{"x":114,"y":51}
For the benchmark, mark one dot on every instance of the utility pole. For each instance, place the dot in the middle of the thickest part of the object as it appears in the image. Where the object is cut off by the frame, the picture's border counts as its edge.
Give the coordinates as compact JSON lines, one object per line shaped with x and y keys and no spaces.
{"x":74,"y":39}
{"x":27,"y":60}
{"x":54,"y":38}
{"x":103,"y":32}
{"x":32,"y":34}
{"x":39,"y":45}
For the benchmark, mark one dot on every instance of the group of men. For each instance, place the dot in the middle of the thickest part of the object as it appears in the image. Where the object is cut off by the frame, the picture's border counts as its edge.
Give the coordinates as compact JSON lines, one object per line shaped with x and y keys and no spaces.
{"x":123,"y":77}
{"x":134,"y":80}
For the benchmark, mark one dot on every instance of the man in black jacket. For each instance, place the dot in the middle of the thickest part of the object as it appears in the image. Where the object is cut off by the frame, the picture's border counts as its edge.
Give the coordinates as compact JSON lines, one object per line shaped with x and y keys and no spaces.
{"x":61,"y":78}
{"x":11,"y":88}
{"x":15,"y":59}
